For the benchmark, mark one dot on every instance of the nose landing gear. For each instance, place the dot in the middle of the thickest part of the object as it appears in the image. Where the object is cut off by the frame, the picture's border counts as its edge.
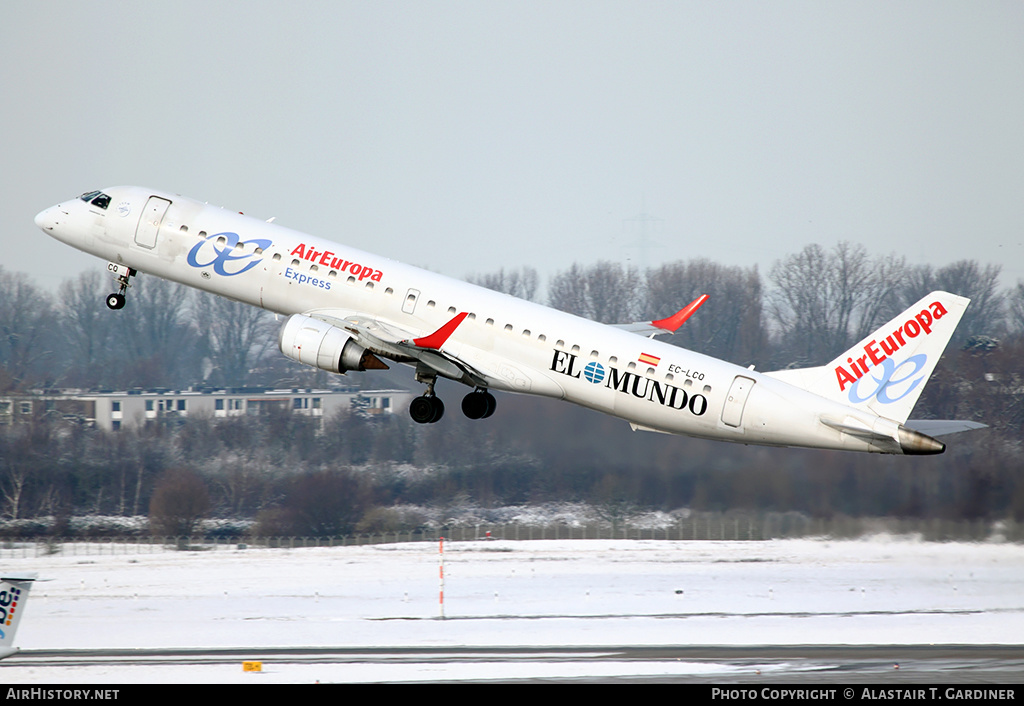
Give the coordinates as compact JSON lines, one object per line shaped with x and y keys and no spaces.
{"x":115,"y":300}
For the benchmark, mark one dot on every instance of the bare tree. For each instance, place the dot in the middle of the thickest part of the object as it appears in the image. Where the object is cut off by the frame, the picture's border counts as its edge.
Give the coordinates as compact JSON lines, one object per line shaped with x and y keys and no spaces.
{"x":729,"y":325}
{"x":822,"y":302}
{"x":1015,"y":306}
{"x":604,"y":292}
{"x":179,"y":502}
{"x":521,"y":283}
{"x":568,"y":291}
{"x":161,"y":344}
{"x":26,"y":329}
{"x":237,"y":336}
{"x":979,"y":283}
{"x":86,"y":324}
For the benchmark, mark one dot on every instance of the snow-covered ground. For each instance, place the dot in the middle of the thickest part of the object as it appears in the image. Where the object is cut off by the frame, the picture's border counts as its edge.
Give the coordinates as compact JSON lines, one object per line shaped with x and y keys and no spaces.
{"x":589,"y":593}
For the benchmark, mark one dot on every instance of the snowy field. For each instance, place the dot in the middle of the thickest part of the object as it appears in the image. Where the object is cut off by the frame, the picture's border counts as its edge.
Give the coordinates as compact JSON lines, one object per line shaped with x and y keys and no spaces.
{"x":585,"y":594}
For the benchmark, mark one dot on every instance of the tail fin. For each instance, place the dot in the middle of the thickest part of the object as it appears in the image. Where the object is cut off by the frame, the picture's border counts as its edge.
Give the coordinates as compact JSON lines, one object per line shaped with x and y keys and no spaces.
{"x":886,"y":371}
{"x":14,"y":589}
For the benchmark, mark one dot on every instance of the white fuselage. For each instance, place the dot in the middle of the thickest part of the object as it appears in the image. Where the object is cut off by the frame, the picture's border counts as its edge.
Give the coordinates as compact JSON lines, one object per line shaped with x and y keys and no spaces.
{"x":521,"y":346}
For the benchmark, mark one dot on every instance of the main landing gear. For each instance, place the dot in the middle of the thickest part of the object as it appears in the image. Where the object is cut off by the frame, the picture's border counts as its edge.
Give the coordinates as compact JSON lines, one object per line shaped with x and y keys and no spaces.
{"x":428,"y":408}
{"x":479,"y":404}
{"x":116,"y":300}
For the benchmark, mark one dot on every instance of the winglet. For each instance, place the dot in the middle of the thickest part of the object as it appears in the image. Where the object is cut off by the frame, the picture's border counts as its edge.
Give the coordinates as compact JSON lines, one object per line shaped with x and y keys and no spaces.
{"x":437,"y":339}
{"x":672,"y":323}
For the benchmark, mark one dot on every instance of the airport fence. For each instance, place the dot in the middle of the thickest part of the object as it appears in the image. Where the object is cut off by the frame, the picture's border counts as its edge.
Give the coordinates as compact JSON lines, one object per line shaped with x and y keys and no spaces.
{"x":698,"y":528}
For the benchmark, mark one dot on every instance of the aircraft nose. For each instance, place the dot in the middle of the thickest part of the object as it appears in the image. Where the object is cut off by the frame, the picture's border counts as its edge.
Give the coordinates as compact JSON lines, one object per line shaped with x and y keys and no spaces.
{"x":46,"y":219}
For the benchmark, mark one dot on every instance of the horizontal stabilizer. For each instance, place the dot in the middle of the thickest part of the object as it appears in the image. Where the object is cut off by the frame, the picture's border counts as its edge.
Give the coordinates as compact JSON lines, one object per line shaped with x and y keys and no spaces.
{"x":14,"y":587}
{"x":941,"y":427}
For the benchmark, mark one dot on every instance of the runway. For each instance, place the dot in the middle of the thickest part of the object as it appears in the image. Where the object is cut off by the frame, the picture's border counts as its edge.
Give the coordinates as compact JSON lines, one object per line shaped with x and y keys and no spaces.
{"x":793,"y":611}
{"x":817,"y":664}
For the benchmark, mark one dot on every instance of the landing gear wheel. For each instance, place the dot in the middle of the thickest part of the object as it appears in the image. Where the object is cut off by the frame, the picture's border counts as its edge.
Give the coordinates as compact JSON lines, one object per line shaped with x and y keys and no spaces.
{"x":124,"y":275}
{"x":426,"y":410}
{"x":479,"y":404}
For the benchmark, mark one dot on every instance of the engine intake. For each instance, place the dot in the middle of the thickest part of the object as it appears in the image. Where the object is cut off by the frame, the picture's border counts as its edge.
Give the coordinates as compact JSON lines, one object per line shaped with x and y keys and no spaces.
{"x":318,"y":343}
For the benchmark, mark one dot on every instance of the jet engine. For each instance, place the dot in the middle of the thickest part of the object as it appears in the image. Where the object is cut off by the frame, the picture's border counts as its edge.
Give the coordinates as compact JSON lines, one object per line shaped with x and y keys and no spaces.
{"x":318,"y":343}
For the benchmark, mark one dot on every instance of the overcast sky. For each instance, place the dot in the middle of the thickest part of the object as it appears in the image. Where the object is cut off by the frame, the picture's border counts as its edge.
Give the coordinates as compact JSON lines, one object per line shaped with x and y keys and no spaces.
{"x":469,"y":136}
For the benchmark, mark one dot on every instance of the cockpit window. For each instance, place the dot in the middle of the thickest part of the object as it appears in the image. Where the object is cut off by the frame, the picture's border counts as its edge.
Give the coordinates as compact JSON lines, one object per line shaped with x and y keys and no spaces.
{"x":96,"y":198}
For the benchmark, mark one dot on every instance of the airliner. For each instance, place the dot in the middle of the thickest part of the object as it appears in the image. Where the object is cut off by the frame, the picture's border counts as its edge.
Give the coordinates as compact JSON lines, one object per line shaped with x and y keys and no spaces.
{"x":348,"y":310}
{"x":14,"y":588}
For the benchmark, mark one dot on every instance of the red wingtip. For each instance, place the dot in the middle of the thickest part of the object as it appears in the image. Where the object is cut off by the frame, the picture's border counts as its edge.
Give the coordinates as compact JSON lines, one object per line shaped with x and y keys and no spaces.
{"x":672,"y":323}
{"x":437,"y":338}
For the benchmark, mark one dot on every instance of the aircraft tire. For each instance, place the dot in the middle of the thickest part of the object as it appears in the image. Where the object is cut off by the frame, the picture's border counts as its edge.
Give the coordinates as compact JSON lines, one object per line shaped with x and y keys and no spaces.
{"x":438,"y":406}
{"x":426,"y":410}
{"x":478,"y":404}
{"x":492,"y":404}
{"x":474,"y":405}
{"x":115,"y":301}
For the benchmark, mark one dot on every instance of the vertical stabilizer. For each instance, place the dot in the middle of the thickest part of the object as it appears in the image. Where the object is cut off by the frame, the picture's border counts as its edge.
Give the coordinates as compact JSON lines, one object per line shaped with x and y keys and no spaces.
{"x":887,"y":370}
{"x":14,"y":589}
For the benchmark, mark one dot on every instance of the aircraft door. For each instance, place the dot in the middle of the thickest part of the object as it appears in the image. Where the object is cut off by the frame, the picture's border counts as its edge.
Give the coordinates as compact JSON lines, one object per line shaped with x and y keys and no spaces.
{"x":409,"y":305}
{"x":149,"y":222}
{"x":732,"y":412}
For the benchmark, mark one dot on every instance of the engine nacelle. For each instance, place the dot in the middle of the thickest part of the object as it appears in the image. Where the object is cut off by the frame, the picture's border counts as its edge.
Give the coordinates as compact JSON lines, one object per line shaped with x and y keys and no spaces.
{"x":318,"y":343}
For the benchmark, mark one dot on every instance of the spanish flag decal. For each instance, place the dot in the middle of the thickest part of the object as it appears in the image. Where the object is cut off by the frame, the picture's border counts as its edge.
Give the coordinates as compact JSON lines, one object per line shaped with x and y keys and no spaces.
{"x":649,"y":359}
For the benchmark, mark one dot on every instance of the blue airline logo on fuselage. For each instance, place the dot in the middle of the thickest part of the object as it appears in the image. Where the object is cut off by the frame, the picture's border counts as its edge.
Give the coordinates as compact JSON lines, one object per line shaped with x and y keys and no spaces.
{"x":225,"y":261}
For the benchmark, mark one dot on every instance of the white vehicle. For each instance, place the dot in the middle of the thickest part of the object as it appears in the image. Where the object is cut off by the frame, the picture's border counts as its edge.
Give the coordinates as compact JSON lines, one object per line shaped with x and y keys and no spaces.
{"x":13,"y":597}
{"x":348,"y":309}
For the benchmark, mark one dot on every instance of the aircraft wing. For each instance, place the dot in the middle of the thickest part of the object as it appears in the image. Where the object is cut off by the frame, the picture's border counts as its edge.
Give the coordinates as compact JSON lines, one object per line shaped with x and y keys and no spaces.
{"x":403,"y":346}
{"x":670,"y":324}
